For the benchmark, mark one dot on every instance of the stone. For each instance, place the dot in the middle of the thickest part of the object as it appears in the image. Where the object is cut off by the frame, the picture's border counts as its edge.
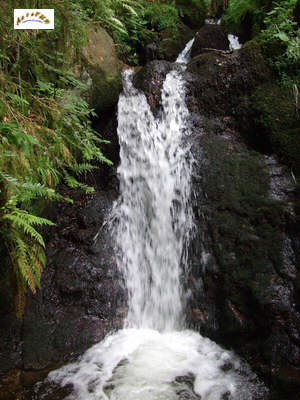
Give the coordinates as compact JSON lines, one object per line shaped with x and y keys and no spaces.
{"x":210,"y":37}
{"x":246,"y":224}
{"x":99,"y":70}
{"x":150,"y":80}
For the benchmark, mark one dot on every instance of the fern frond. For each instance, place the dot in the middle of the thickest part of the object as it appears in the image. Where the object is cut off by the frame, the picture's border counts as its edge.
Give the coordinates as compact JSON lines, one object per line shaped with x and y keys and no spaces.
{"x":19,"y":298}
{"x":20,"y":254}
{"x":29,"y":218}
{"x":84,"y":167}
{"x":130,"y":9}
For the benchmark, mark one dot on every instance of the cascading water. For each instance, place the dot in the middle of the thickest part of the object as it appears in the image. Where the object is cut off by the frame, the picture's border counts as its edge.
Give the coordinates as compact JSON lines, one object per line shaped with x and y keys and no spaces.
{"x":234,"y":43}
{"x":154,"y":214}
{"x":152,"y":358}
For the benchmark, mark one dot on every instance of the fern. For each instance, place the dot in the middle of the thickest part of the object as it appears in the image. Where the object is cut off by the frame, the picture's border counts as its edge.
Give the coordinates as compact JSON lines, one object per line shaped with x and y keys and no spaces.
{"x":42,"y":141}
{"x":25,"y":247}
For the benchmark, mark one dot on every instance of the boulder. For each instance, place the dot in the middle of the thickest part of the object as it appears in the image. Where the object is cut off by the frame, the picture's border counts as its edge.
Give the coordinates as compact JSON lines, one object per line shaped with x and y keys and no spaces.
{"x":171,"y":45}
{"x":244,"y":257}
{"x":150,"y":80}
{"x":99,"y":70}
{"x":210,"y":37}
{"x":217,"y":81}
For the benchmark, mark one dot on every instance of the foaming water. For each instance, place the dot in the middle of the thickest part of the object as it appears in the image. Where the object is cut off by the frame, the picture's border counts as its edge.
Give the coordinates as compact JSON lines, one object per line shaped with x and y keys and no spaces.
{"x":153,"y":358}
{"x":140,"y":364}
{"x":234,"y":43}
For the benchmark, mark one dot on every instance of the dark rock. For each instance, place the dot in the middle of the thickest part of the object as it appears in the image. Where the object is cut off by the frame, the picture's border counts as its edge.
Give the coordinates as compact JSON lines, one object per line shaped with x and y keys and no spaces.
{"x":218,"y":81}
{"x":167,"y":44}
{"x":151,"y":52}
{"x":210,"y":37}
{"x":244,"y":255}
{"x":150,"y":80}
{"x":171,"y":45}
{"x":270,"y":116}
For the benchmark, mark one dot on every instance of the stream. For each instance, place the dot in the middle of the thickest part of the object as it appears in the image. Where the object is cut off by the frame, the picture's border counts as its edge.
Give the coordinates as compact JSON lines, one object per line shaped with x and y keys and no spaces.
{"x":154,"y":357}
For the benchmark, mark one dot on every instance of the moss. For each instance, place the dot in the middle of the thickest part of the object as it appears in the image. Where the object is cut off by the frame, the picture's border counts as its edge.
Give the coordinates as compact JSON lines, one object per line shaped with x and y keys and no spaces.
{"x":253,"y":59}
{"x":106,"y":90}
{"x":275,"y":117}
{"x":193,"y":13}
{"x":172,"y":42}
{"x":244,"y":222}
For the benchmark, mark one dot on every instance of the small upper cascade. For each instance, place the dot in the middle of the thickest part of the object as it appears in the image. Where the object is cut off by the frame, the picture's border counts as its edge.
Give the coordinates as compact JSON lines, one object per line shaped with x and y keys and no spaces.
{"x":234,"y":43}
{"x":213,"y":21}
{"x":184,"y":56}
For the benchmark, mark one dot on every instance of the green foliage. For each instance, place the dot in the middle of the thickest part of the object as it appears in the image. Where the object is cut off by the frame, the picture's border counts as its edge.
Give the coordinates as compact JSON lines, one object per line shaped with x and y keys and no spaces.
{"x":193,"y":12}
{"x":132,"y":23}
{"x":281,"y":32}
{"x":237,"y":10}
{"x":272,"y":22}
{"x":43,"y":139}
{"x":161,"y":16}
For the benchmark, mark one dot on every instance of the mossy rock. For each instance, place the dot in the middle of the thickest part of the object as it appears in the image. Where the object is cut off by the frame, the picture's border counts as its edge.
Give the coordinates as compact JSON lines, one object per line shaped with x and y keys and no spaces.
{"x":278,"y":118}
{"x":192,"y":12}
{"x":172,"y":42}
{"x":99,"y":70}
{"x":252,"y":55}
{"x":210,"y":37}
{"x":102,"y":71}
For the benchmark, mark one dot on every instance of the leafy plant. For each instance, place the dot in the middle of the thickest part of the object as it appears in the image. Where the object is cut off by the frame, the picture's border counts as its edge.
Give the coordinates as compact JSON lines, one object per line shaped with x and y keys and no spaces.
{"x":161,"y":16}
{"x":45,"y":137}
{"x":280,"y":29}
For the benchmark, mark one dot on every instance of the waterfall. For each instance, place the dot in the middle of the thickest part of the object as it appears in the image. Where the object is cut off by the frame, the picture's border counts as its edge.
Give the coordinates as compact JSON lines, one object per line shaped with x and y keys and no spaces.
{"x":155,"y":214}
{"x":154,"y":357}
{"x":234,"y":43}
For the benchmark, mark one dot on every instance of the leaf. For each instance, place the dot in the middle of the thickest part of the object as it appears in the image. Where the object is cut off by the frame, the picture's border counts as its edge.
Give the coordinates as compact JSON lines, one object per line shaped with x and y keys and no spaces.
{"x":283,"y":36}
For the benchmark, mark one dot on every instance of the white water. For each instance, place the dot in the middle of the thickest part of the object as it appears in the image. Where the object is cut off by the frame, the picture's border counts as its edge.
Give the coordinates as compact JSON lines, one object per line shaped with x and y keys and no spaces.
{"x":142,"y":361}
{"x":234,"y":43}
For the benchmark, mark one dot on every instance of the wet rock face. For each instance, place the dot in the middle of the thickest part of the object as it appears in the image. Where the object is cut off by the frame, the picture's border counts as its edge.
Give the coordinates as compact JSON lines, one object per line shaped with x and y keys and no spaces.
{"x":210,"y":37}
{"x":167,"y":46}
{"x":243,"y":259}
{"x":245,"y":252}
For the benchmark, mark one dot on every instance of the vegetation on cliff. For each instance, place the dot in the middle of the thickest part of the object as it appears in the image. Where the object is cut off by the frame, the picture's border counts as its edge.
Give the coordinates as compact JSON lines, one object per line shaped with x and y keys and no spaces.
{"x":273,"y":26}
